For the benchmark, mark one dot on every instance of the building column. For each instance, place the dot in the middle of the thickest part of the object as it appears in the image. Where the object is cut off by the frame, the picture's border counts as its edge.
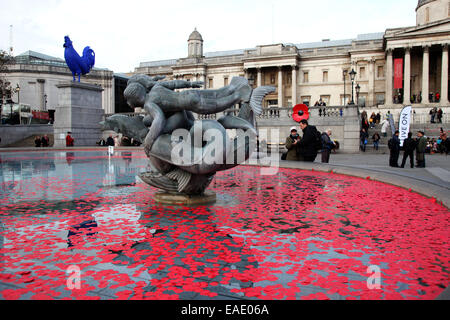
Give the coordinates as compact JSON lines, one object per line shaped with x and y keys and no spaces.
{"x":280,"y":87}
{"x":41,"y":83}
{"x":389,"y":77}
{"x":444,"y":80}
{"x":259,"y":80}
{"x":407,"y":80}
{"x":204,"y":80}
{"x":426,"y":75}
{"x":294,"y":85}
{"x":371,"y":89}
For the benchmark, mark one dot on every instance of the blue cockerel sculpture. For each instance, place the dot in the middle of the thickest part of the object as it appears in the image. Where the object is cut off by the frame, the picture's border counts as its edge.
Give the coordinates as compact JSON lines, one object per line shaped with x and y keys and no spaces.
{"x":78,"y":65}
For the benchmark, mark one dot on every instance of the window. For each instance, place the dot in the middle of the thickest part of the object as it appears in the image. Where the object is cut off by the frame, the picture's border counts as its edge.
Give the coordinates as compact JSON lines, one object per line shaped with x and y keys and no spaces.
{"x":225,"y":81}
{"x":210,"y":83}
{"x":305,"y":77}
{"x":306,"y":100}
{"x":272,"y":103}
{"x":380,"y":72}
{"x":326,"y":99}
{"x":380,"y":98}
{"x":345,"y":100}
{"x":289,"y":79}
{"x":325,"y":76}
{"x":272,"y":78}
{"x":362,"y":72}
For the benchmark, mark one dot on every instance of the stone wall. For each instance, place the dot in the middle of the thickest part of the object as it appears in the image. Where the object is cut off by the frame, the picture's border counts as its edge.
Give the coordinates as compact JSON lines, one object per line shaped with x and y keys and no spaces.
{"x":12,"y":134}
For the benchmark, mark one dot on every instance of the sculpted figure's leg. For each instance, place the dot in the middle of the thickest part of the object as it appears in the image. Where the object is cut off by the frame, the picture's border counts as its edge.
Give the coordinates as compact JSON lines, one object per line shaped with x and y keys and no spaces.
{"x":158,"y":124}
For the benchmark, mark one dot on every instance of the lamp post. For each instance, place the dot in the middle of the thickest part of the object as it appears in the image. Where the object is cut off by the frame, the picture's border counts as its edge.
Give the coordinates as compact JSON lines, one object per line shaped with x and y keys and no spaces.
{"x":352,"y":77}
{"x":251,"y":82}
{"x":17,"y":90}
{"x":358,"y":89}
{"x":344,"y":74}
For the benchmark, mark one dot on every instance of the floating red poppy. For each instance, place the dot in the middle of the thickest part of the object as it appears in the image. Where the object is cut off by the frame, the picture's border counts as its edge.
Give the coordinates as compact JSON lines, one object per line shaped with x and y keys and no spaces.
{"x":301,"y":111}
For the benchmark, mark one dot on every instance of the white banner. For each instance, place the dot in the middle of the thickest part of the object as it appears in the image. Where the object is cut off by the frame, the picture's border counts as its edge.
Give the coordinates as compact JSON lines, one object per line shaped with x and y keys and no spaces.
{"x":404,"y":123}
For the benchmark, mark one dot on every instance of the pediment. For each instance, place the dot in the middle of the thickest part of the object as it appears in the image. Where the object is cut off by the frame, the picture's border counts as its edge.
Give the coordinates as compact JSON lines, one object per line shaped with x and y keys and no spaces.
{"x":423,"y":31}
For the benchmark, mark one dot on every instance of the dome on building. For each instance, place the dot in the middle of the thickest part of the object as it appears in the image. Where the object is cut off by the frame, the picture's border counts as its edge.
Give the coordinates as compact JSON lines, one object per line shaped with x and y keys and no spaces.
{"x":195,"y":35}
{"x":429,"y":11}
{"x":423,"y":2}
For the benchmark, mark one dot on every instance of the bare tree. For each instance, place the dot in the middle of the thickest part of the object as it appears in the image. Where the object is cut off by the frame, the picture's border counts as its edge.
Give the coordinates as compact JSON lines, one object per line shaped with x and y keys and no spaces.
{"x":5,"y":86}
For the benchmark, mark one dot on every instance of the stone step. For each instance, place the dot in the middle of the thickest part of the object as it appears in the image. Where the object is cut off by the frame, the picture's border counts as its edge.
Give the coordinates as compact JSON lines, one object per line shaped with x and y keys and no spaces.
{"x":29,"y":141}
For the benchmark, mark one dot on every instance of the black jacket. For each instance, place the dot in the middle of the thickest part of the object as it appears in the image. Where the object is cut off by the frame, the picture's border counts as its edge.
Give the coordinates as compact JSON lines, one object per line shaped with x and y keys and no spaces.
{"x":395,"y":144}
{"x":110,"y":142}
{"x":409,"y":145}
{"x":307,"y":146}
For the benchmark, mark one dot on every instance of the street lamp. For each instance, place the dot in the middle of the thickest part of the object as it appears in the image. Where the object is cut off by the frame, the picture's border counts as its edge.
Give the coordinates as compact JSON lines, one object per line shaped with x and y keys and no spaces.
{"x":17,"y":90}
{"x":358,"y":89}
{"x":352,"y":77}
{"x":344,"y":74}
{"x":251,"y":82}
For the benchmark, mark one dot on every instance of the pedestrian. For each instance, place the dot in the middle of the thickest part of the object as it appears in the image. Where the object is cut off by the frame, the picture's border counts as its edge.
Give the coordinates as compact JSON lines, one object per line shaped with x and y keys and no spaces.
{"x":363,"y":136}
{"x":439,"y":115}
{"x":384,"y":127}
{"x":116,"y":141}
{"x":69,"y":140}
{"x":433,"y":113}
{"x":328,"y":145}
{"x":394,"y":147}
{"x":376,"y":140}
{"x":110,"y":141}
{"x":310,"y":143}
{"x":378,"y":118}
{"x":420,"y":149}
{"x":37,"y":142}
{"x":409,"y":145}
{"x":438,"y":97}
{"x":291,"y":145}
{"x":45,"y":141}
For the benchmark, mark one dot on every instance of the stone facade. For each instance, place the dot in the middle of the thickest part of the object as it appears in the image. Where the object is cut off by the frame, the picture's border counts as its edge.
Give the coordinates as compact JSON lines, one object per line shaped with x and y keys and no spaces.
{"x":308,"y":72}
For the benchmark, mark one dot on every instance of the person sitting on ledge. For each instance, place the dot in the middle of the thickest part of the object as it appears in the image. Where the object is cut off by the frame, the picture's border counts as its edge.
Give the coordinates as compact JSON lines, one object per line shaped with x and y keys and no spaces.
{"x":291,"y":145}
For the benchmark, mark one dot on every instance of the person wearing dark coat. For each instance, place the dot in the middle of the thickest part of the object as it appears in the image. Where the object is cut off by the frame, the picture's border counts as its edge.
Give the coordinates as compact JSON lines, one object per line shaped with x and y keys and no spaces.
{"x":409,"y":145}
{"x":307,"y":147}
{"x":420,"y":149}
{"x":328,"y":145}
{"x":45,"y":141}
{"x":395,"y":150}
{"x":110,"y":141}
{"x":291,"y":145}
{"x":38,"y":142}
{"x":363,"y":136}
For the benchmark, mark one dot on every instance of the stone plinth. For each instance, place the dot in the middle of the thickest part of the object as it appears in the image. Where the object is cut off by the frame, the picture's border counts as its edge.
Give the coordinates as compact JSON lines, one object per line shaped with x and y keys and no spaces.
{"x":79,"y":111}
{"x":183,"y":199}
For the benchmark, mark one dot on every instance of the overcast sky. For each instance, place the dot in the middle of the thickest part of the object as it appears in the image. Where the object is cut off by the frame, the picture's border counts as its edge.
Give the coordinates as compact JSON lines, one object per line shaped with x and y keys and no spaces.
{"x":125,"y":33}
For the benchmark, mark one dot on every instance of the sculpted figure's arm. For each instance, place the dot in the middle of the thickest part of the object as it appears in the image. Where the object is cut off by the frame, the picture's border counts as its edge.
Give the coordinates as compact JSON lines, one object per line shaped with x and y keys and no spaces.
{"x":157,"y":126}
{"x":181,"y":84}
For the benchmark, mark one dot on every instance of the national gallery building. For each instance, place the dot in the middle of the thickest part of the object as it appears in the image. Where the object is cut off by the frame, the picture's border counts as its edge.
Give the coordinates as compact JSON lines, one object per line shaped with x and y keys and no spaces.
{"x":394,"y":68}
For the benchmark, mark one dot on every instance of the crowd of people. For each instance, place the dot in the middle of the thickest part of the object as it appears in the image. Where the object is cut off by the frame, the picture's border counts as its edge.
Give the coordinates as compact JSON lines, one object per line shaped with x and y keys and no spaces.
{"x":421,"y":145}
{"x":116,"y":141}
{"x":307,"y":147}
